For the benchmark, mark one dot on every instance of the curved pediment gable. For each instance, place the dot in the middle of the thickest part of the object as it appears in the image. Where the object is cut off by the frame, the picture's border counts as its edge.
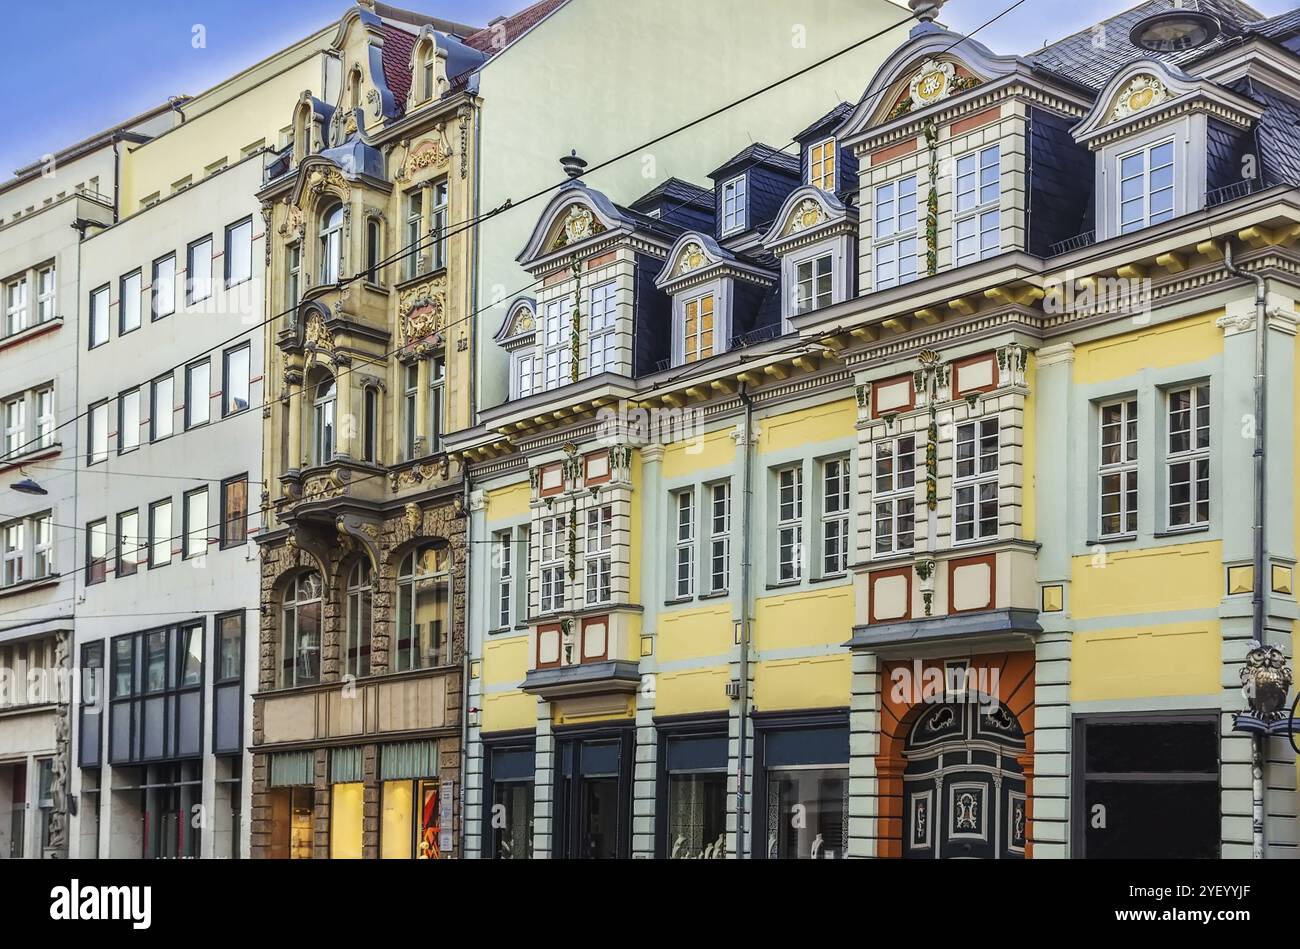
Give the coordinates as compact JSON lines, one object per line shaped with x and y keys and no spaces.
{"x":806,"y":213}
{"x":1148,"y":91}
{"x":697,"y":257}
{"x":576,"y":216}
{"x":924,"y":72}
{"x":367,"y":97}
{"x":520,"y":325}
{"x":320,"y":181}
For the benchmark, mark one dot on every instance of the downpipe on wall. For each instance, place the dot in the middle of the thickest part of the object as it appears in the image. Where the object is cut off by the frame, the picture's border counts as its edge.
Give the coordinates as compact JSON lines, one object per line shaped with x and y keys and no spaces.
{"x":743,"y":722}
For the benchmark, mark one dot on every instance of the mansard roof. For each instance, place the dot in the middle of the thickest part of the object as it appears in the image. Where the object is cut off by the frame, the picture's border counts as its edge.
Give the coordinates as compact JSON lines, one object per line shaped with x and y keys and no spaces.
{"x":501,"y":32}
{"x":678,"y":192}
{"x":759,"y":154}
{"x":828,"y":124}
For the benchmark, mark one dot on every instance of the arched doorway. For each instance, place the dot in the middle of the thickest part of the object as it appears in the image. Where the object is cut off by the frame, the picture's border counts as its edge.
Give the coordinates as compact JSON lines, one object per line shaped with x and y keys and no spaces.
{"x":963,"y":787}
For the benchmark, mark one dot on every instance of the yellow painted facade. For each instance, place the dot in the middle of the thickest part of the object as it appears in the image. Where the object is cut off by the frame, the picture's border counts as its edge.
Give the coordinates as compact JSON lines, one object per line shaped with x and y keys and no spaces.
{"x":1147,"y":580}
{"x":1147,"y":661}
{"x":1189,"y":340}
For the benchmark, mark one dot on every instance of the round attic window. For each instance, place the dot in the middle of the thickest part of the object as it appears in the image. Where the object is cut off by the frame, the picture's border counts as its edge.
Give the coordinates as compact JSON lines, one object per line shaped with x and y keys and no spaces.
{"x":1175,"y":31}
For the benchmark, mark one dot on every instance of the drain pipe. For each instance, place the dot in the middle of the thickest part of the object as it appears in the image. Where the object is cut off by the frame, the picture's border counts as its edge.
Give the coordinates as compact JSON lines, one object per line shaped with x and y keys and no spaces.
{"x":466,"y":512}
{"x":1257,"y":597}
{"x":746,"y":509}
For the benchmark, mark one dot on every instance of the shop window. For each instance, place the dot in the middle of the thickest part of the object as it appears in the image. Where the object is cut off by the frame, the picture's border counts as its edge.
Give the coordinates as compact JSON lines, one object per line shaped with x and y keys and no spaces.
{"x":593,"y":797}
{"x":804,"y":775}
{"x":291,"y":823}
{"x":411,"y":804}
{"x":693,"y":797}
{"x":508,"y":791}
{"x":347,"y":805}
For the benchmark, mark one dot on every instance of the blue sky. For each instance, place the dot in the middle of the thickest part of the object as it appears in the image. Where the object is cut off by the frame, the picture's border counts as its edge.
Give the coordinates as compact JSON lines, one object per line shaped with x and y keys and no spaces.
{"x":84,"y":65}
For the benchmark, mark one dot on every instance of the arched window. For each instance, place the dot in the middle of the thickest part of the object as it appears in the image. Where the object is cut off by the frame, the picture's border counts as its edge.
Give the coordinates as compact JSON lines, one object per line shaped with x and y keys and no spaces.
{"x":423,"y":610}
{"x":427,"y":71}
{"x":360,"y":599}
{"x":300,"y":632}
{"x":323,"y":420}
{"x":331,"y":245}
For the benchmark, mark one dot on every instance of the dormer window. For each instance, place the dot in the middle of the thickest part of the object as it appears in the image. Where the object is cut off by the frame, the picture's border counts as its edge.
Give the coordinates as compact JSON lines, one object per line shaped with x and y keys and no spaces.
{"x":821,"y":165}
{"x":734,"y":205}
{"x":331,"y":245}
{"x":1146,"y":186}
{"x":427,"y":72}
{"x":814,"y":283}
{"x":557,"y":329}
{"x":895,"y":237}
{"x":978,"y":195}
{"x":697,"y":329}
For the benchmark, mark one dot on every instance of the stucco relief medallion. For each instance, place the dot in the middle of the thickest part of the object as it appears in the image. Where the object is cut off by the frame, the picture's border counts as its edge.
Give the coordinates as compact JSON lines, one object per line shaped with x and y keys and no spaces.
{"x":932,"y":82}
{"x":692,"y":258}
{"x":579,"y":224}
{"x":807,"y":215}
{"x":1140,"y":94}
{"x":425,"y":154}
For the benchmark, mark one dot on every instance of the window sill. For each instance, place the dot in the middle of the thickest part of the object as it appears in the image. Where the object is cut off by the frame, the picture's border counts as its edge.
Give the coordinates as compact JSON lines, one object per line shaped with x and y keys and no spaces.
{"x":785,"y":584}
{"x":1112,"y":539}
{"x":26,"y":586}
{"x":1180,"y":531}
{"x":828,"y":578}
{"x":30,"y":332}
{"x":679,"y":601}
{"x":9,"y":462}
{"x":715,"y":595}
{"x":898,"y":556}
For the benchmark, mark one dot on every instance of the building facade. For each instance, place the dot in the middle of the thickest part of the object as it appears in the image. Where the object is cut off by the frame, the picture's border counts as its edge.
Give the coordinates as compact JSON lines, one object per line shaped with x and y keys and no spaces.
{"x":886,"y":498}
{"x":170,"y":369}
{"x":45,"y":210}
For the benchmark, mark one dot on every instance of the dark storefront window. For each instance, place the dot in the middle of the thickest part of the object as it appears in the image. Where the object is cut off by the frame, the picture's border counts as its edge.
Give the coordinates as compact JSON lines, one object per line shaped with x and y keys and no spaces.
{"x":692,"y":791}
{"x":228,"y":686}
{"x":803,"y":777}
{"x":593,"y":796}
{"x":156,"y":710}
{"x":91,"y":704}
{"x":508,"y":792}
{"x":1147,"y":786}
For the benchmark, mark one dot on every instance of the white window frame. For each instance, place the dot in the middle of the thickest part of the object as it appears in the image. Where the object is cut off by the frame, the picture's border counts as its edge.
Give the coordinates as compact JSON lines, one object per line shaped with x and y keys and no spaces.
{"x":602,"y":354}
{"x":557,"y":341}
{"x":525,"y":379}
{"x":1195,"y":457}
{"x":970,"y":490}
{"x":735,"y":204}
{"x":16,"y":297}
{"x":598,"y":555}
{"x":1146,"y":194}
{"x":504,"y":598}
{"x":693,"y":348}
{"x":47,"y":293}
{"x":1124,"y":467}
{"x":823,"y":172}
{"x":15,"y":423}
{"x":809,"y":299}
{"x":551,"y":552}
{"x":42,"y":546}
{"x":44,"y":411}
{"x":719,"y":537}
{"x":330,"y":244}
{"x":789,"y":524}
{"x":683,"y":544}
{"x":977,"y":204}
{"x":324,"y":419}
{"x":901,"y":242}
{"x":893,"y":487}
{"x":14,"y":543}
{"x":837,"y":502}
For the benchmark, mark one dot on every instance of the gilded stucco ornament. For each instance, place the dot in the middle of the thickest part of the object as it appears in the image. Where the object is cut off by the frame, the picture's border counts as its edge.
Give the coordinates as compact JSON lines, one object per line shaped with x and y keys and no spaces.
{"x":692,"y":258}
{"x":323,"y":487}
{"x":807,"y":215}
{"x":421,"y":310}
{"x":932,"y":82}
{"x":579,"y":224}
{"x":425,"y":154}
{"x":1140,"y":94}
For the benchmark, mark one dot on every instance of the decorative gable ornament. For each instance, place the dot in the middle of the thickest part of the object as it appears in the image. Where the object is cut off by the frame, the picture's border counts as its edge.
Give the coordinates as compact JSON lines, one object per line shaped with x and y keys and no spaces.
{"x":579,"y":224}
{"x":809,"y":214}
{"x":932,"y":82}
{"x":425,"y":155}
{"x":692,"y":259}
{"x":1140,"y":94}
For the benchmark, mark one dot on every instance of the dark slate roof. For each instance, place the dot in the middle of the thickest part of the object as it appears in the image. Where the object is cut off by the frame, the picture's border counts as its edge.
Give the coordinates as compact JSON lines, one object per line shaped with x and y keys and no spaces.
{"x":680,"y":193}
{"x":1079,"y":58}
{"x":497,"y":35}
{"x":828,"y":123}
{"x":397,"y":62}
{"x":1278,"y":131}
{"x":760,"y":154}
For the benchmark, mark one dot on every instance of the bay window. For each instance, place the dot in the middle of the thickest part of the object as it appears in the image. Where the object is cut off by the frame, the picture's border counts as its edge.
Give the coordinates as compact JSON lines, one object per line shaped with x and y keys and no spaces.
{"x":893,"y":501}
{"x":551,"y":563}
{"x":598,"y":550}
{"x":895,"y":237}
{"x":1117,"y":476}
{"x":323,"y":421}
{"x":331,"y":245}
{"x":975,"y":481}
{"x":1188,"y":461}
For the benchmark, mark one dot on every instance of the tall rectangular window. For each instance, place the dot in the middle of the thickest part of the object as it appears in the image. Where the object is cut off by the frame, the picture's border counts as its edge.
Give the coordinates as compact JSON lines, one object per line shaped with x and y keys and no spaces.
{"x":97,"y":434}
{"x":414,"y":231}
{"x":1188,"y":461}
{"x":374,"y":237}
{"x":163,"y":292}
{"x":198,"y":394}
{"x":975,"y":482}
{"x":43,"y":545}
{"x":525,"y":365}
{"x":98,"y":322}
{"x":895,"y":235}
{"x":1117,"y":477}
{"x":198,"y":267}
{"x":735,"y":200}
{"x":438,"y":224}
{"x":410,"y":410}
{"x":15,"y":418}
{"x":789,"y":523}
{"x":128,"y":421}
{"x":719,"y":536}
{"x":557,"y":326}
{"x":551,"y":562}
{"x":697,"y":329}
{"x":46,"y":294}
{"x":15,"y":545}
{"x":160,"y":533}
{"x":234,"y":511}
{"x":684,"y":544}
{"x":598,"y":551}
{"x":893,"y":500}
{"x":235,"y":380}
{"x":129,"y":547}
{"x":978,"y":195}
{"x":239,"y":252}
{"x":835,"y":516}
{"x":45,"y":426}
{"x":370,"y":420}
{"x":160,"y":408}
{"x":821,"y":165}
{"x":814,"y":283}
{"x":96,"y":551}
{"x":196,"y":524}
{"x":1146,"y":187}
{"x":293,"y":276}
{"x":505,"y":579}
{"x":128,"y":304}
{"x":16,"y":306}
{"x":601,"y":353}
{"x":437,"y":387}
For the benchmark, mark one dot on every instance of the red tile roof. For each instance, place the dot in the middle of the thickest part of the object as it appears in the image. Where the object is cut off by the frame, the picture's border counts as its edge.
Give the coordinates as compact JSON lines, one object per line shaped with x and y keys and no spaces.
{"x":397,"y":63}
{"x":495,"y":37}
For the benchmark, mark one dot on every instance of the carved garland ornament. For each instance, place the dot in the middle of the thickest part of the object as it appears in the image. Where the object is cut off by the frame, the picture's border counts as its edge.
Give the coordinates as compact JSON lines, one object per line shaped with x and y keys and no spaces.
{"x":318,"y":335}
{"x":425,"y":154}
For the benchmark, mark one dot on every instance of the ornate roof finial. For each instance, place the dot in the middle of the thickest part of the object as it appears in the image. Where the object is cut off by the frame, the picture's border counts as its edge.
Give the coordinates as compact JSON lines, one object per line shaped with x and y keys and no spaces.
{"x":573,"y":165}
{"x":925,"y":10}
